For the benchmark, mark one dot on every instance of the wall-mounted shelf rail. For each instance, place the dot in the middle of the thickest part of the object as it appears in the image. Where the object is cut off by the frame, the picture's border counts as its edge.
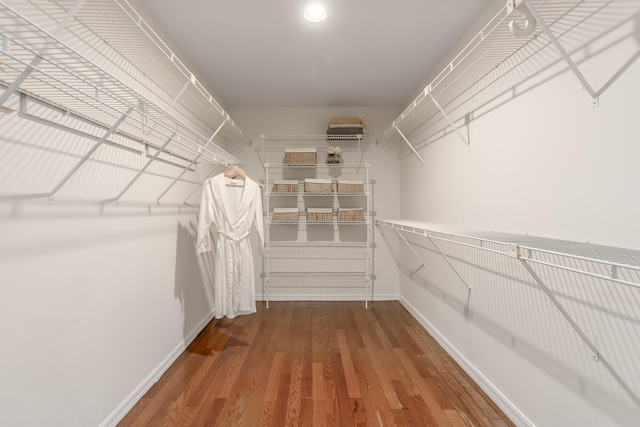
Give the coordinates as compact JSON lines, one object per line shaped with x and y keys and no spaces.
{"x":99,"y":62}
{"x":519,"y":30}
{"x":607,"y":266}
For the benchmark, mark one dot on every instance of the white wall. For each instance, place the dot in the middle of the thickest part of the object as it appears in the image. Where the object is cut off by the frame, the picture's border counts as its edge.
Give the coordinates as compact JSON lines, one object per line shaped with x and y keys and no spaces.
{"x":384,"y":167}
{"x":95,"y":299}
{"x":542,"y":162}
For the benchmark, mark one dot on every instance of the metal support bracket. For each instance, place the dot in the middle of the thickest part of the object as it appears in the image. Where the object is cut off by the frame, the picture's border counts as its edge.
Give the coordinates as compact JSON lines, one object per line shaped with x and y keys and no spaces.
{"x":191,"y":162}
{"x":563,"y":53}
{"x":184,"y":202}
{"x":409,"y":144}
{"x":89,"y":154}
{"x":412,"y":250}
{"x":446,"y":258}
{"x":596,"y":356}
{"x":141,"y":171}
{"x":451,"y":123}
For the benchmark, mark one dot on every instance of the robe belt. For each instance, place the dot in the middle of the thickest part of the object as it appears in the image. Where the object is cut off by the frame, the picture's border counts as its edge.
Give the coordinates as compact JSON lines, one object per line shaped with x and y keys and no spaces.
{"x":236,"y":265}
{"x":233,"y":238}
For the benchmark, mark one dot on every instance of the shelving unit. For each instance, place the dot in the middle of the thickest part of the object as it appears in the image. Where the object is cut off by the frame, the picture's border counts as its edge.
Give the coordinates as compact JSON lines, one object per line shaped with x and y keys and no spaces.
{"x":316,"y":260}
{"x":95,"y":68}
{"x":518,"y":31}
{"x":613,"y":272}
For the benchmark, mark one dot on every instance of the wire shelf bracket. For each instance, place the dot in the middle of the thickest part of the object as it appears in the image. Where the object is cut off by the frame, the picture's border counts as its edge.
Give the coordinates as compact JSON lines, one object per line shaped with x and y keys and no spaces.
{"x":88,"y":155}
{"x":141,"y":171}
{"x":446,"y":116}
{"x":409,"y":144}
{"x":191,"y":162}
{"x":565,"y":55}
{"x":596,"y":354}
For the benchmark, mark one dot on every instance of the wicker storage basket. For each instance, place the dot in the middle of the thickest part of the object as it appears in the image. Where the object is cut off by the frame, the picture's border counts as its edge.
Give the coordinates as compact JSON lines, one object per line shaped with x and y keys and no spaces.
{"x":350,"y":214}
{"x":285,"y":214}
{"x":300,"y":156}
{"x":319,"y":214}
{"x":318,"y":185}
{"x":285,"y":186}
{"x":345,"y":186}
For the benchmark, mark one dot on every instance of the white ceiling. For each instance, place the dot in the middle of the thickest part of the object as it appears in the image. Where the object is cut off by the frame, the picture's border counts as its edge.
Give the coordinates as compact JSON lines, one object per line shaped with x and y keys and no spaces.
{"x":261,"y":53}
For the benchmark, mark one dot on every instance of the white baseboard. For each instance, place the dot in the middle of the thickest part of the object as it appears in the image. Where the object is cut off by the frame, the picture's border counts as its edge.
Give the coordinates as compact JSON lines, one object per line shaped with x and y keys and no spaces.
{"x":487,"y":386}
{"x":123,"y":409}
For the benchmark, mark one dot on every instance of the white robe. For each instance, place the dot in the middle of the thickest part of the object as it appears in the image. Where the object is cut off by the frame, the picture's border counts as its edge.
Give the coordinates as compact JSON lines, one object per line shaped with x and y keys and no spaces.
{"x":228,"y":209}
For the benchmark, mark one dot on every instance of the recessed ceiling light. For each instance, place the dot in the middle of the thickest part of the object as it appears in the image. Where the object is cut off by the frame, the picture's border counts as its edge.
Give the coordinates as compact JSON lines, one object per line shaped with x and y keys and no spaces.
{"x":315,"y":13}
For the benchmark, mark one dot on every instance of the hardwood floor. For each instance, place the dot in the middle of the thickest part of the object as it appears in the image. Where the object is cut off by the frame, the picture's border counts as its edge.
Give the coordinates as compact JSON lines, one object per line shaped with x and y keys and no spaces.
{"x":316,"y":364}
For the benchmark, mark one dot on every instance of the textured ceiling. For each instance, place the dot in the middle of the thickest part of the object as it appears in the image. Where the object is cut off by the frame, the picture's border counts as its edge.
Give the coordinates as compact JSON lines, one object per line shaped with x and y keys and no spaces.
{"x":258,"y":53}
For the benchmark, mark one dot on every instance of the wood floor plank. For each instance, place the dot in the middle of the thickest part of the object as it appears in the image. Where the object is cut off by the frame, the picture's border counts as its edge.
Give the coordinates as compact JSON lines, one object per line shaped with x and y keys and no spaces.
{"x":435,"y":414}
{"x":347,"y":366}
{"x":316,"y":364}
{"x":370,"y":382}
{"x":454,"y":418}
{"x":294,"y":399}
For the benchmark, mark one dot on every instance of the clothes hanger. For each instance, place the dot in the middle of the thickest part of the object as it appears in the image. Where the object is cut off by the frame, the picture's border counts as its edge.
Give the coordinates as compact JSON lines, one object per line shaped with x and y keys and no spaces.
{"x":234,"y":171}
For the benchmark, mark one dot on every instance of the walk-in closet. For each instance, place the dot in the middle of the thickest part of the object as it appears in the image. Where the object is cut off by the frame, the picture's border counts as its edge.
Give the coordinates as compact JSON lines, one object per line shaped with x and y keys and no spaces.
{"x":323,"y":213}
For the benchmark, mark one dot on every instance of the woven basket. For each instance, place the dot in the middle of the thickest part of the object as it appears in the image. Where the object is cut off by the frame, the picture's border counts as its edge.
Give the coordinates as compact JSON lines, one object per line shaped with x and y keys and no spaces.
{"x":300,"y":156}
{"x":345,"y":186}
{"x":285,"y":214}
{"x":285,"y":186}
{"x":350,"y":214}
{"x":318,"y":185}
{"x":319,"y":214}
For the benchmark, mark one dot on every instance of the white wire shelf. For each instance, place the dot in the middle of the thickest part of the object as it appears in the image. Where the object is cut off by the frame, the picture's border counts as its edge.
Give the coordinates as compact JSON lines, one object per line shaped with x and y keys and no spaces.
{"x":468,"y":81}
{"x":100,"y":61}
{"x":602,"y":278}
{"x":612,"y":264}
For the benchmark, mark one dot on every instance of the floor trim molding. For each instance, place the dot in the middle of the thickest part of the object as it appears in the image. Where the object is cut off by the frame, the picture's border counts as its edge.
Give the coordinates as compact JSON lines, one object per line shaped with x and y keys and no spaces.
{"x":123,"y":409}
{"x":487,"y":386}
